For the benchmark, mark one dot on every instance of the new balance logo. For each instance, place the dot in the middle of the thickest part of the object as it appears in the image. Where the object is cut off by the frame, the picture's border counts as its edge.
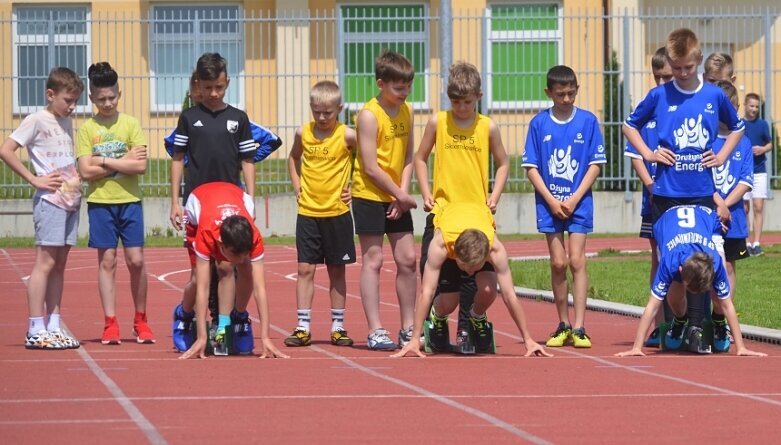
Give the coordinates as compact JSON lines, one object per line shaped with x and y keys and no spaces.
{"x":546,"y":138}
{"x":346,"y":257}
{"x":672,"y":108}
{"x":198,"y":123}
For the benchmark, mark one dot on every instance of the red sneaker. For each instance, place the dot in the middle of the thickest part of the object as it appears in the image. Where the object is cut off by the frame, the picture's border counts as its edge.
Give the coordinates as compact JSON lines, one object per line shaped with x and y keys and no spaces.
{"x":141,"y":329}
{"x":111,"y":332}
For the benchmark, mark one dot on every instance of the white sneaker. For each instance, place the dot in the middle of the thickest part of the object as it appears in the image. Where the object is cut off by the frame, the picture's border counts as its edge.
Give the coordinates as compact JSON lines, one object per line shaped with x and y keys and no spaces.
{"x":380,"y":340}
{"x":42,"y":340}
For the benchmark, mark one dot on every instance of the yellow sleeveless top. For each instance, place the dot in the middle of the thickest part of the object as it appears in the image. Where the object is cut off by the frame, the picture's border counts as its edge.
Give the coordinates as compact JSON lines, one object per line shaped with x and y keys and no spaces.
{"x":461,"y":161}
{"x":392,"y":136}
{"x":325,"y":170}
{"x":459,"y":216}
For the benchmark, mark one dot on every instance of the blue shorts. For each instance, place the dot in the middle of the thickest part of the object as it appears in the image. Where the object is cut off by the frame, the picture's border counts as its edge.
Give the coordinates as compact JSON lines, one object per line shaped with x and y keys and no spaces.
{"x":54,"y":226}
{"x":564,"y":225}
{"x":110,"y":222}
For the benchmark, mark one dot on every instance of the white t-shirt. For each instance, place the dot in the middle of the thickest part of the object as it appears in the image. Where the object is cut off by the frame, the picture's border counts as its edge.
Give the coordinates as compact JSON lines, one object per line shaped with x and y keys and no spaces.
{"x":49,"y":142}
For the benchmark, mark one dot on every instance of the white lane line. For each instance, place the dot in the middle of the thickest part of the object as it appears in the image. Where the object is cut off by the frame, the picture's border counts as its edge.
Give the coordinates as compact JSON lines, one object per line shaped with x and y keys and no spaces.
{"x":510,"y":428}
{"x":376,"y":396}
{"x":132,"y":411}
{"x":60,"y":422}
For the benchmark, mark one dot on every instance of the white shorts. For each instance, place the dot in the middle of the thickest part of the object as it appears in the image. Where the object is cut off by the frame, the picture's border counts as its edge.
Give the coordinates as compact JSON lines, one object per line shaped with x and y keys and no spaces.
{"x":759,"y":190}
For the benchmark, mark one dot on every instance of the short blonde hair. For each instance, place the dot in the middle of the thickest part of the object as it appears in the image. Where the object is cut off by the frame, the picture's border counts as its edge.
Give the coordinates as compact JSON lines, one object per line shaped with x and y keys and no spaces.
{"x":719,"y":62}
{"x":463,"y":80}
{"x":325,"y":92}
{"x":681,"y":43}
{"x":472,"y":247}
{"x":697,"y":272}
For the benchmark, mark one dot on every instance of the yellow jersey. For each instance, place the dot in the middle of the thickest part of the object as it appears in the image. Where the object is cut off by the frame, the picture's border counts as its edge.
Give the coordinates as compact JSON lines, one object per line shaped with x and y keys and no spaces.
{"x":452,"y":220}
{"x":392,"y":137}
{"x":325,"y":170}
{"x":461,"y":161}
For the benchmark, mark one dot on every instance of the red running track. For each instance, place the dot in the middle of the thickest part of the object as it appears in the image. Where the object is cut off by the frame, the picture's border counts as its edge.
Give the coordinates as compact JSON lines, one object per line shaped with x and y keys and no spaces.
{"x":134,"y":393}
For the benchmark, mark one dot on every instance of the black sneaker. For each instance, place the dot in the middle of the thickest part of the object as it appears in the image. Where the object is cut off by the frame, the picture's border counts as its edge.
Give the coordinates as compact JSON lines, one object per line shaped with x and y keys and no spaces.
{"x":438,"y":333}
{"x":483,"y":332}
{"x":695,"y":341}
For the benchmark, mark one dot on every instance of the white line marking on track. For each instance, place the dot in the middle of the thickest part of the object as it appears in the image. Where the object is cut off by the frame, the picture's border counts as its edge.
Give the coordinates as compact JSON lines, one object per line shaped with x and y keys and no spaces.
{"x":61,"y":422}
{"x":375,"y":396}
{"x":133,"y":412}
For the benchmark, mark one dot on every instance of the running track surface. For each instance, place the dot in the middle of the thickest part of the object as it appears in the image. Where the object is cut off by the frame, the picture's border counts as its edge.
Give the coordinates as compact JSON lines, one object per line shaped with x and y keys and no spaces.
{"x":134,"y":393}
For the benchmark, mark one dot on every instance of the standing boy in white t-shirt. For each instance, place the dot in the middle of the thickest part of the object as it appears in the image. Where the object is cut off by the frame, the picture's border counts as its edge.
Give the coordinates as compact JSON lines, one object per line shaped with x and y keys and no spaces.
{"x":48,"y":136}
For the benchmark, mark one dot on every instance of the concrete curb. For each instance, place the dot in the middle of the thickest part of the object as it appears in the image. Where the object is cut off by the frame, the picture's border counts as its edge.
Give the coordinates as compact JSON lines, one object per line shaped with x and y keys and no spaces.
{"x":756,"y":333}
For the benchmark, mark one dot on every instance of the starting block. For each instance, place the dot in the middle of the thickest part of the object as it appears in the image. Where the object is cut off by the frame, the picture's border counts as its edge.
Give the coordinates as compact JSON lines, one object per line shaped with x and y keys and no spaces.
{"x":707,"y":336}
{"x":465,"y":342}
{"x":215,"y":348}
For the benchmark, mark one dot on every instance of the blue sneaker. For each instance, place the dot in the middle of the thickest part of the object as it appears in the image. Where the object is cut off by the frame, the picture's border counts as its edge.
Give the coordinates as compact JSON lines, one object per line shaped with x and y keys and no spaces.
{"x":183,"y":333}
{"x":243,"y":341}
{"x":674,"y":337}
{"x":721,"y":340}
{"x":653,"y":340}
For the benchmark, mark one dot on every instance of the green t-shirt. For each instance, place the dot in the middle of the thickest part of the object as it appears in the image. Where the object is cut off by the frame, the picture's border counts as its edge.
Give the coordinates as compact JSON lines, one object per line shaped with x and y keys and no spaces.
{"x":113,"y":141}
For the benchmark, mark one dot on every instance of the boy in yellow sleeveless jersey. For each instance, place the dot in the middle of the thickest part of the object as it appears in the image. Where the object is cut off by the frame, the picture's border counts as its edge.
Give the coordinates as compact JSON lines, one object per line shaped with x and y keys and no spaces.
{"x":465,"y":140}
{"x":381,"y":201}
{"x":320,"y":163}
{"x":465,"y":232}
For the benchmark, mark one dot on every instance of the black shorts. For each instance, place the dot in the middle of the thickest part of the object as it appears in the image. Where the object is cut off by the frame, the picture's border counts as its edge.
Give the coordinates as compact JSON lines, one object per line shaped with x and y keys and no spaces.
{"x":735,"y":249}
{"x":450,"y":276}
{"x":647,"y":228}
{"x":326,"y":240}
{"x":371,"y":219}
{"x":660,"y":204}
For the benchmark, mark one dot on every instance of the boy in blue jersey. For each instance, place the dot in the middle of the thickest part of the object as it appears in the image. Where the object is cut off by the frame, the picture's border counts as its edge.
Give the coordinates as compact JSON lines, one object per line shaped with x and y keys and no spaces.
{"x":687,"y":112}
{"x":645,"y":172}
{"x":758,"y":132}
{"x":563,"y":154}
{"x":733,"y":180}
{"x":688,"y":262}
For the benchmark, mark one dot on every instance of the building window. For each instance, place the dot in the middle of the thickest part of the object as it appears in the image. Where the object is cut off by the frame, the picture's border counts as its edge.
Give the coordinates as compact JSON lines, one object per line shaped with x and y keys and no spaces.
{"x":524,"y":41}
{"x":44,"y":38}
{"x":178,"y":37}
{"x":364,"y":31}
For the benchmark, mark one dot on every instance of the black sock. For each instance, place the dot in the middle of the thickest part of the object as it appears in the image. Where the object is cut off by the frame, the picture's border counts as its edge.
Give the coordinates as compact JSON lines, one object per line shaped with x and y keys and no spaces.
{"x":718,"y":318}
{"x":696,"y":308}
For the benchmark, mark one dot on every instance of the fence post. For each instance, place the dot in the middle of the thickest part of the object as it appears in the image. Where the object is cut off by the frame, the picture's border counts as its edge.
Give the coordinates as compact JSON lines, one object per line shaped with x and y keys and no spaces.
{"x":768,"y":25}
{"x":445,"y":50}
{"x":626,"y":107}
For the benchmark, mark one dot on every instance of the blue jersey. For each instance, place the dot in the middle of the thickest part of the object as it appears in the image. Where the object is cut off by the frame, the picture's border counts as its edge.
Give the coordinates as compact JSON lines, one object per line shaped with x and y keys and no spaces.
{"x":687,"y":123}
{"x":738,"y":169}
{"x":758,"y":133}
{"x":651,"y":138}
{"x":681,"y":232}
{"x":268,"y":142}
{"x":562,"y":153}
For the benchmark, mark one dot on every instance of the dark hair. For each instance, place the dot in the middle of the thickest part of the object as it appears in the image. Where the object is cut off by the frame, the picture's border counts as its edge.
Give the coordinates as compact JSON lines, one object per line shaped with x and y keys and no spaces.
{"x":659,"y":59}
{"x":391,"y":66}
{"x":754,"y":96}
{"x":101,"y":75}
{"x":210,"y":66}
{"x":61,"y":78}
{"x":236,"y":234}
{"x":561,"y":75}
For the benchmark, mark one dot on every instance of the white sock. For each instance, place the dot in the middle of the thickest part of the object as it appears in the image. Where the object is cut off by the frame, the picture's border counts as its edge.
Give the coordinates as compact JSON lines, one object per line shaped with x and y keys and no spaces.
{"x":756,"y":244}
{"x":304,"y":318}
{"x":54,"y":323}
{"x":474,"y":314}
{"x":337,"y":319}
{"x":36,"y":325}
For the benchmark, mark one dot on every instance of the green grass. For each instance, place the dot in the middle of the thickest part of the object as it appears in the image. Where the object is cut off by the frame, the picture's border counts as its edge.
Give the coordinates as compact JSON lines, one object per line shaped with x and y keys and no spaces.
{"x":624,"y":279}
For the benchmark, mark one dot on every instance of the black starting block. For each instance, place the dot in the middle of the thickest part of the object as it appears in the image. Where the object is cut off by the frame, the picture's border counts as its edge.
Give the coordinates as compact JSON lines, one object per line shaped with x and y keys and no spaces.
{"x":465,"y":342}
{"x":707,"y":336}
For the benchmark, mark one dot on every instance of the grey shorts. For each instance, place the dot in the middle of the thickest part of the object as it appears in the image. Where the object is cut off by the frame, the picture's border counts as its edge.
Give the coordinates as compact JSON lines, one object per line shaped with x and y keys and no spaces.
{"x":54,"y":226}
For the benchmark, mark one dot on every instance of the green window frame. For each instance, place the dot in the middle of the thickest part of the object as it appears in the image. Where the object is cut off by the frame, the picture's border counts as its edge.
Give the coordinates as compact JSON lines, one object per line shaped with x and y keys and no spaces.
{"x":523,"y":42}
{"x":364,"y":31}
{"x":45,"y":37}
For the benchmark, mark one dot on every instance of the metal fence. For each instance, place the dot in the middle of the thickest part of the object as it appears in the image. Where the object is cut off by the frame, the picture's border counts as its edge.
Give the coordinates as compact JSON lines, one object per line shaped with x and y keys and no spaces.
{"x":273,"y":61}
